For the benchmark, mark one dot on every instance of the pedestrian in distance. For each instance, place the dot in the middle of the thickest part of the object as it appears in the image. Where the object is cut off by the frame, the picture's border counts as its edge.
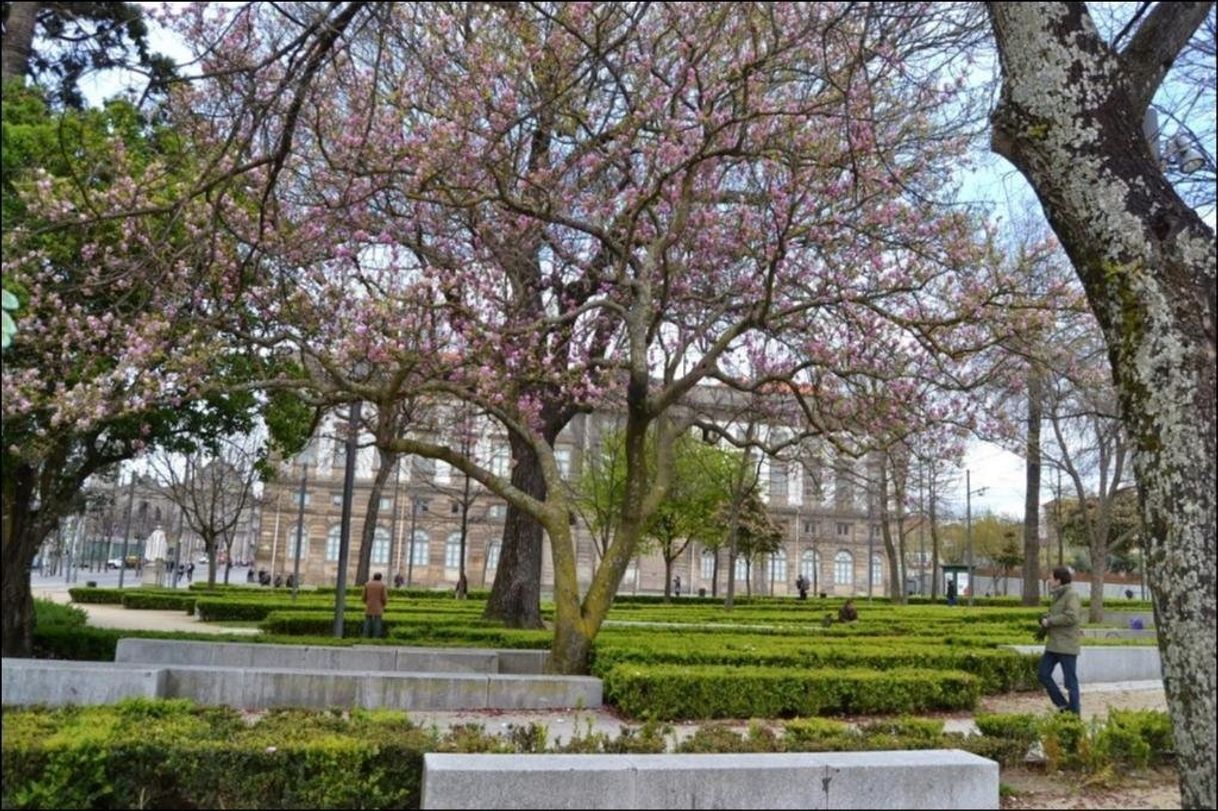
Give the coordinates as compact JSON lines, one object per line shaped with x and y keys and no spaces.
{"x":951,"y":592}
{"x":848,"y":613}
{"x":278,"y":580}
{"x":676,"y":585}
{"x":376,"y":597}
{"x":190,"y":573}
{"x":398,"y":580}
{"x":1063,"y":637}
{"x":249,"y":576}
{"x":801,"y":583}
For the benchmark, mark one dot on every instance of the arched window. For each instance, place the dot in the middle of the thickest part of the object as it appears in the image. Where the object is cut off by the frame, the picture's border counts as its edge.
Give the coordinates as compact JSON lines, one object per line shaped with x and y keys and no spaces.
{"x":778,"y":566}
{"x":708,"y":564}
{"x":809,"y":565}
{"x":877,"y":570}
{"x":492,"y":556}
{"x":742,"y":568}
{"x":332,"y":541}
{"x":420,"y":552}
{"x":289,"y":552}
{"x":380,"y":546}
{"x":452,"y":551}
{"x":843,"y":569}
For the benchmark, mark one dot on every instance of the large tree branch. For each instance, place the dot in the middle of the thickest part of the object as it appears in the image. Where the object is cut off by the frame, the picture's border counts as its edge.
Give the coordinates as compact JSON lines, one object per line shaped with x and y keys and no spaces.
{"x":1156,"y":45}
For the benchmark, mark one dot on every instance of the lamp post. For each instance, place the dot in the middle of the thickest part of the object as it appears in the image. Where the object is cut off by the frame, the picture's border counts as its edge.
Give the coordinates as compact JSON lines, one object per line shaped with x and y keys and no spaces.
{"x":122,"y":563}
{"x":344,"y":538}
{"x":968,"y":518}
{"x":414,"y":509}
{"x":304,"y":484}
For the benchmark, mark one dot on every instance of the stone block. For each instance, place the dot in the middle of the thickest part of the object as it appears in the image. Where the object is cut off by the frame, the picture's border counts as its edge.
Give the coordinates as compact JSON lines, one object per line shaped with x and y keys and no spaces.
{"x":522,"y":662}
{"x":433,"y":691}
{"x":1098,"y":665}
{"x":543,"y":692}
{"x":59,"y":683}
{"x":903,"y":779}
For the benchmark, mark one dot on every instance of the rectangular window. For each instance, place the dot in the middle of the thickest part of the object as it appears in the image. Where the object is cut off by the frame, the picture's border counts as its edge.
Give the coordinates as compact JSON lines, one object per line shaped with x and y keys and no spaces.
{"x":778,"y":480}
{"x":296,"y":498}
{"x":337,"y":499}
{"x":455,"y":508}
{"x":843,"y":530}
{"x":875,"y":532}
{"x":562,"y":457}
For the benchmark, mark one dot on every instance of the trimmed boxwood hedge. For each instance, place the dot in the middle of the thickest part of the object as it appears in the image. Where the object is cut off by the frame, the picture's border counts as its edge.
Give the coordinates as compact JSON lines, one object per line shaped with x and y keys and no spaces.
{"x":159,"y":601}
{"x":670,"y":692}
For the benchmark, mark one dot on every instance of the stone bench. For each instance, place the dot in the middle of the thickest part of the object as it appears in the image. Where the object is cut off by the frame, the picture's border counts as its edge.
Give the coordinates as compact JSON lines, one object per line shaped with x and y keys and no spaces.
{"x":1097,"y":665}
{"x":57,"y":683}
{"x":326,"y":657}
{"x":941,"y":778}
{"x":41,"y":681}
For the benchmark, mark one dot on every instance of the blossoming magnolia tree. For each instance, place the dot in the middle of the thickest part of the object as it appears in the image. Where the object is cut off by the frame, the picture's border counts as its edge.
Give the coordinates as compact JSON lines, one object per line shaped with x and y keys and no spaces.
{"x":114,"y":353}
{"x":539,"y":209}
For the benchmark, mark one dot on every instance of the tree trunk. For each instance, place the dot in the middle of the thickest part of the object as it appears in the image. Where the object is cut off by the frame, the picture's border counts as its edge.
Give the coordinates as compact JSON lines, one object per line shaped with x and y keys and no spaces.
{"x":368,"y":535}
{"x":515,"y":597}
{"x":22,"y":537}
{"x":715,"y":575}
{"x":1031,"y":504}
{"x":1147,"y":262}
{"x":895,"y":592}
{"x":18,"y":39}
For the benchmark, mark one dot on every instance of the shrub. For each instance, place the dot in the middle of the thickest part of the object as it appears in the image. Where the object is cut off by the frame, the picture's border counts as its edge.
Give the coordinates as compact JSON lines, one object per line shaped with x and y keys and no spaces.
{"x":1066,"y":741}
{"x":670,"y":692}
{"x":927,"y":729}
{"x":1135,"y":738}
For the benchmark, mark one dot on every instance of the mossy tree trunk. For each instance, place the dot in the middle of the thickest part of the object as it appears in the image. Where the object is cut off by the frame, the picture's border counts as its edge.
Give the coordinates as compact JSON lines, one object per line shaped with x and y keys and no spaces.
{"x":1069,"y":119}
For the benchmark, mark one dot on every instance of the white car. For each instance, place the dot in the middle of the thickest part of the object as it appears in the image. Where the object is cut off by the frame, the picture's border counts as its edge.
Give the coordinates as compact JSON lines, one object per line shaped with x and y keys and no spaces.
{"x":114,"y":563}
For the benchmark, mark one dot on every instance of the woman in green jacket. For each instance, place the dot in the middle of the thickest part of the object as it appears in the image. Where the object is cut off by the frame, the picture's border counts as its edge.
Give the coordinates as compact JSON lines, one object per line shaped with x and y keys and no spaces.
{"x":1062,"y":625}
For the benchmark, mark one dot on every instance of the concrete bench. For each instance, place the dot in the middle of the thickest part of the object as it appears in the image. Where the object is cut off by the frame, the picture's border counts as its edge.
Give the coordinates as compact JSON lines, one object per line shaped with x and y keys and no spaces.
{"x":942,"y":778}
{"x":57,"y":683}
{"x":325,"y":657}
{"x":41,"y":681}
{"x":1097,"y":665}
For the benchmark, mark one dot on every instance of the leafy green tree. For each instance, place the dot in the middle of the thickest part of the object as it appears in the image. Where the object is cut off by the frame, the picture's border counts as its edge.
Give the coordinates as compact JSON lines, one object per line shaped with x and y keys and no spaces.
{"x":113,"y":356}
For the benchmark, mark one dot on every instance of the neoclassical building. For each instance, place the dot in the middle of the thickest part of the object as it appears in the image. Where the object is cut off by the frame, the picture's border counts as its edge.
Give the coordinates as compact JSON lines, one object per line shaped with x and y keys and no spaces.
{"x":832,"y":527}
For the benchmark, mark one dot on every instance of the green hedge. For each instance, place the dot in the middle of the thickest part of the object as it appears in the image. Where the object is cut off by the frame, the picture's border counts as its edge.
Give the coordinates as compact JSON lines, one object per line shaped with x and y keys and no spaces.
{"x":671,"y":692}
{"x":998,"y":670}
{"x":90,"y":594}
{"x":159,"y":601}
{"x":414,"y":633}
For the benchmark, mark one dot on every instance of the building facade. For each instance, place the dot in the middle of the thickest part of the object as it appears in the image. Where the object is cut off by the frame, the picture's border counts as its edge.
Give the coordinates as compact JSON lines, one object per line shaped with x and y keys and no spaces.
{"x":831,"y":526}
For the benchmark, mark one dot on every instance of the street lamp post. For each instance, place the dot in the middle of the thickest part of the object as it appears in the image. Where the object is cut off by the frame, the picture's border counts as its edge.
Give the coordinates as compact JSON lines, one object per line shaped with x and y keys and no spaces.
{"x":344,"y":538}
{"x":304,"y":484}
{"x":968,"y":513}
{"x":414,"y":509}
{"x":122,"y":563}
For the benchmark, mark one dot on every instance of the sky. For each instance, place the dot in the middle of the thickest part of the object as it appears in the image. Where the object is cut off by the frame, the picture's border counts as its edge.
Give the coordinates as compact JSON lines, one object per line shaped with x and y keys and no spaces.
{"x":996,"y":472}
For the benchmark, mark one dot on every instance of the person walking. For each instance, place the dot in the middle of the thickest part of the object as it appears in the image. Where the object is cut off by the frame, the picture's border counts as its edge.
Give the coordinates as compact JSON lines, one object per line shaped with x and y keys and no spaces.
{"x":951,"y":591}
{"x":376,"y":597}
{"x":1063,"y":631}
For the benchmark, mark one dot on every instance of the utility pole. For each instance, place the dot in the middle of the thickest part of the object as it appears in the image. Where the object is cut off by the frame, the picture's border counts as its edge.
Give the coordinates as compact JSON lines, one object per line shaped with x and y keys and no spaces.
{"x":344,"y":538}
{"x":968,"y":522}
{"x":1057,"y":508}
{"x":304,"y":483}
{"x":414,"y":509}
{"x":122,"y":564}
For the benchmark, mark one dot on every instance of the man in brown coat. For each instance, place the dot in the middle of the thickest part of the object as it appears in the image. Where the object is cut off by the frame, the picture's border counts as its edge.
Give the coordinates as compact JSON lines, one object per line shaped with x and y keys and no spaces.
{"x":376,"y":597}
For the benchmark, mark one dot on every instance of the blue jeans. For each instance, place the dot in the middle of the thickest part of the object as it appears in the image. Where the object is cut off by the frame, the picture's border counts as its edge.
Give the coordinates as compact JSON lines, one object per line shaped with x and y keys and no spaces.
{"x":372,"y":626}
{"x":1044,"y":674}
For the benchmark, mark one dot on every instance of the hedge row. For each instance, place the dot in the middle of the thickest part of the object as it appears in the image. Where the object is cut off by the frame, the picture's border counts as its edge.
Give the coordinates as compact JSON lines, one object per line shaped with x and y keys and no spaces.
{"x":159,"y":601}
{"x":143,"y":753}
{"x":998,"y":671}
{"x":671,"y":692}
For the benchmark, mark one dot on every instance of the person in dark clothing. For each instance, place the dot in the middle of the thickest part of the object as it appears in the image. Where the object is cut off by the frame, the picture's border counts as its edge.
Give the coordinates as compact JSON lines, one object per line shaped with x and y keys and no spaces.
{"x":951,"y":592}
{"x":847,"y":613}
{"x":1063,"y":632}
{"x":376,"y":597}
{"x":801,"y":583}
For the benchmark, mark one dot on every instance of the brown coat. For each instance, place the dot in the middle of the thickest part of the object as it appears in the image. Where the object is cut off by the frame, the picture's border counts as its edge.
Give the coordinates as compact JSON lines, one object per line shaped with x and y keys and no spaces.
{"x":376,"y":597}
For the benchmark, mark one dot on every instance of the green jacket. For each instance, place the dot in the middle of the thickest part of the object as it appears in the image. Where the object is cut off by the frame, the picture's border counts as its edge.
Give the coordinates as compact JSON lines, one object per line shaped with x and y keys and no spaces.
{"x":1065,"y":621}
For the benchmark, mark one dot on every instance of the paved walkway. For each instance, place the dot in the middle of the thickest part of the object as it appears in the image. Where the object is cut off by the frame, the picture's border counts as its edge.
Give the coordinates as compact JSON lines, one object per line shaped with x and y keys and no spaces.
{"x":106,"y":615}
